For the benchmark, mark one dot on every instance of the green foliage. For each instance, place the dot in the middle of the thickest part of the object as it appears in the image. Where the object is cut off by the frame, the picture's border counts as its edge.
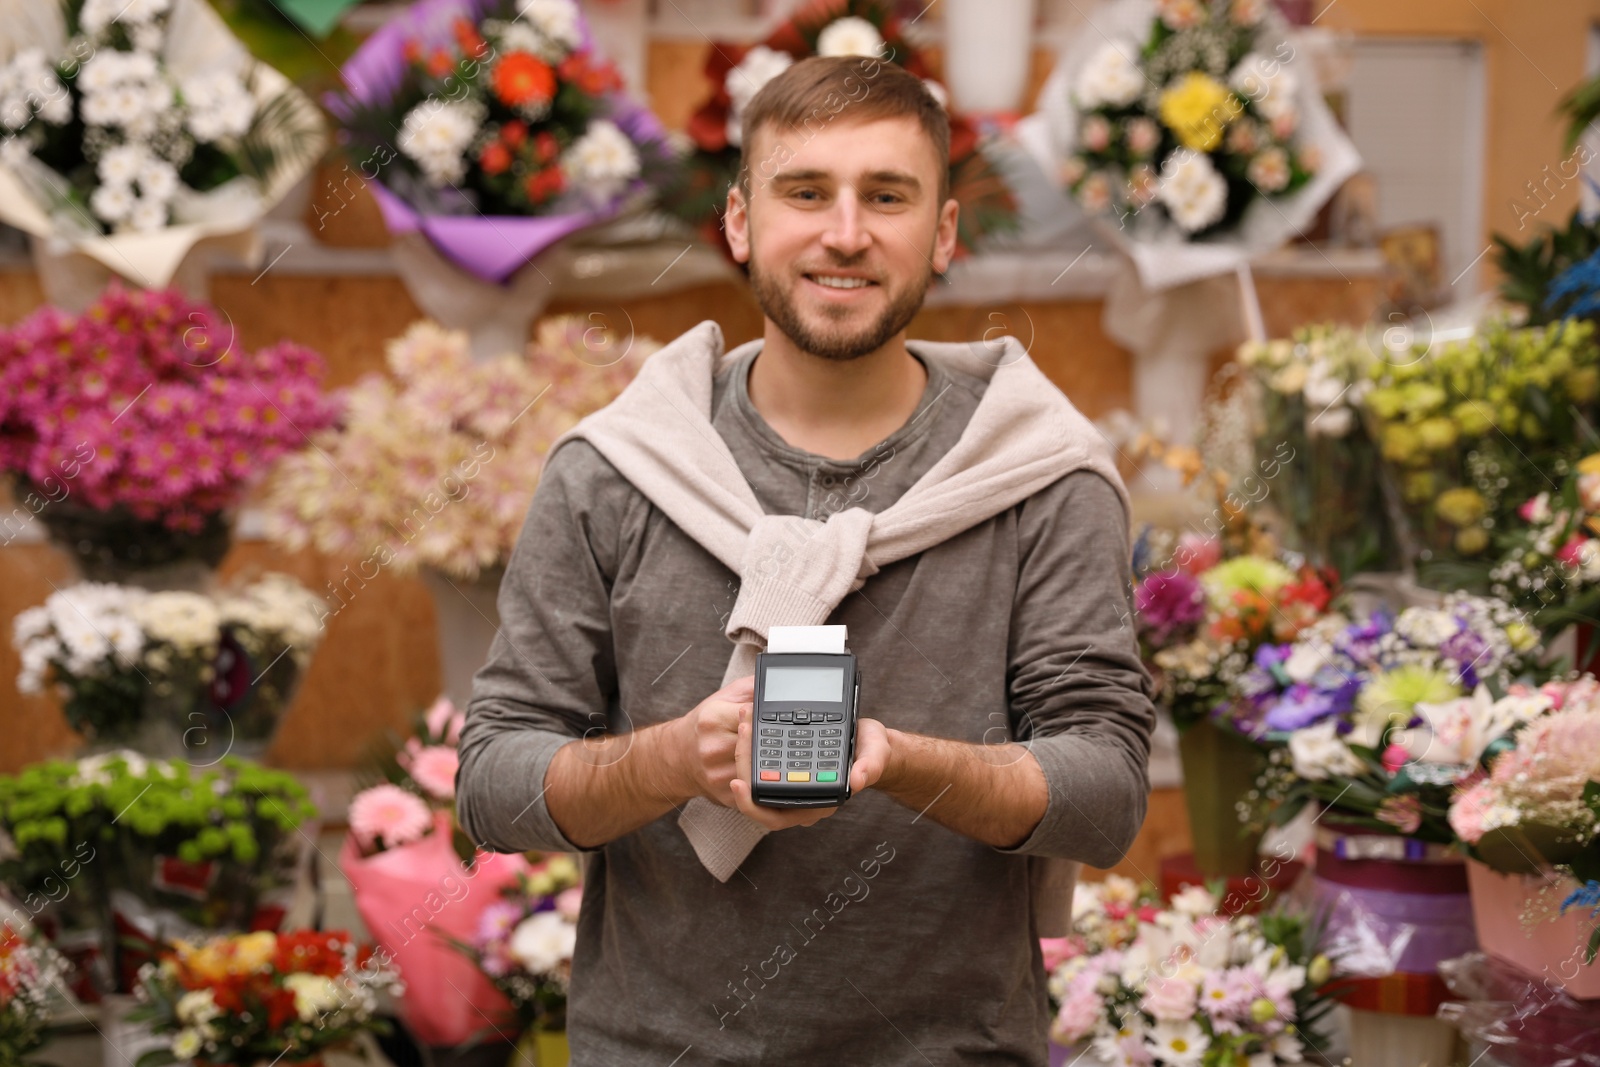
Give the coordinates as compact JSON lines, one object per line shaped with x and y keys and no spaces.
{"x":1529,"y":269}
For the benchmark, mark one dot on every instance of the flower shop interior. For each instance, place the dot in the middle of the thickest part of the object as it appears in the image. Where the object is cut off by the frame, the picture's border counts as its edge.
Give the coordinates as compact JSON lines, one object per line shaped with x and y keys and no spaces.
{"x":296,"y":295}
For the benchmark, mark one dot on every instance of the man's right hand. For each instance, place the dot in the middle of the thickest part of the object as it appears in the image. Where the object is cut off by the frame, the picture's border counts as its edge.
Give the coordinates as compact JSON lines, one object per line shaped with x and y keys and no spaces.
{"x":709,"y":740}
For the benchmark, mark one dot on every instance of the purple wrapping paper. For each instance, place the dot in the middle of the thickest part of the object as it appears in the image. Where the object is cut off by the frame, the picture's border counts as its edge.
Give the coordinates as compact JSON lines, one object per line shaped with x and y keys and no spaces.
{"x":492,"y":247}
{"x":1374,"y":932}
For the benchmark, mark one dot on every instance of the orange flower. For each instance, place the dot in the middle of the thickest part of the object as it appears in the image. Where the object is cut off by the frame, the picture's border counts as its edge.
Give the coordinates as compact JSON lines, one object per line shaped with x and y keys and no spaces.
{"x":495,"y":158}
{"x":467,"y":38}
{"x":522,"y":79}
{"x":545,"y":146}
{"x":440,"y":63}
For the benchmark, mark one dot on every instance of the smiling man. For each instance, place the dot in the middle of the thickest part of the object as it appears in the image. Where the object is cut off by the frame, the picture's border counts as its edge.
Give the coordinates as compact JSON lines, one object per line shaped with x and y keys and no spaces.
{"x":1005,"y":713}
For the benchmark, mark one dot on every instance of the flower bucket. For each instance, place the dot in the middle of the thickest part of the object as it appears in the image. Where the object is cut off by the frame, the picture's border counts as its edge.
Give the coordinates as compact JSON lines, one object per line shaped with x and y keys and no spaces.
{"x":1396,"y":908}
{"x":541,"y":1048}
{"x":413,"y":899}
{"x":467,"y":616}
{"x":1218,"y":767}
{"x":1552,"y":948}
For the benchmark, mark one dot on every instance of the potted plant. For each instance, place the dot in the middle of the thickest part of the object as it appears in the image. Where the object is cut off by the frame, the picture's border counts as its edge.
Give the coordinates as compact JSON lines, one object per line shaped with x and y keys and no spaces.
{"x":448,"y":452}
{"x":1531,"y":823}
{"x":1376,"y":722}
{"x":133,"y":430}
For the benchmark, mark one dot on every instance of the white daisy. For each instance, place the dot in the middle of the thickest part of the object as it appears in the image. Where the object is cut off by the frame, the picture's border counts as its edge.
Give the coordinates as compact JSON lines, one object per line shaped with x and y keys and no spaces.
{"x":557,"y":24}
{"x":759,"y":66}
{"x":601,"y":162}
{"x":111,"y":202}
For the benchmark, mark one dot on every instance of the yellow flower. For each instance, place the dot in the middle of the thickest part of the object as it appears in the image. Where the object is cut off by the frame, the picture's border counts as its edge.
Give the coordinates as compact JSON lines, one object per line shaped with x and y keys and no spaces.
{"x":1400,"y":443}
{"x":1583,"y":384}
{"x":1589,"y":464}
{"x":1474,"y":418}
{"x":1197,"y":109}
{"x":1461,"y":506}
{"x":1472,"y":540}
{"x":1419,"y":486}
{"x":1437,"y":433}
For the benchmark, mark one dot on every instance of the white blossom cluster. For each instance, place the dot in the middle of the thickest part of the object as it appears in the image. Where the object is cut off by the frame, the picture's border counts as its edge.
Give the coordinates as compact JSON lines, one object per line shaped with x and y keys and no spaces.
{"x":602,"y":162}
{"x":141,"y":120}
{"x":94,"y":630}
{"x":436,"y":134}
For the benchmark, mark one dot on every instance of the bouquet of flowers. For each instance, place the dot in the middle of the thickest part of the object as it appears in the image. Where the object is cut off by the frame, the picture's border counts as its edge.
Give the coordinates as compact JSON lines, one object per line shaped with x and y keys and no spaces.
{"x":524,"y":942}
{"x":30,"y":973}
{"x":1105,"y":915}
{"x":502,"y":109}
{"x":1202,"y":618}
{"x":1196,"y":987}
{"x":1308,"y":393}
{"x":131,"y":664}
{"x":124,"y":119}
{"x":244,"y":998}
{"x":1380,"y":719}
{"x":867,"y":28}
{"x":1537,"y":802}
{"x":1188,"y":122}
{"x":1470,"y":429}
{"x":137,"y":424}
{"x":447,"y":452}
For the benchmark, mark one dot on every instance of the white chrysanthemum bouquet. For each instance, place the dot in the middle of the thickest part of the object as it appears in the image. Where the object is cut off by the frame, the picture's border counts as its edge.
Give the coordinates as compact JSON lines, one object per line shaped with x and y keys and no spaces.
{"x":131,"y":116}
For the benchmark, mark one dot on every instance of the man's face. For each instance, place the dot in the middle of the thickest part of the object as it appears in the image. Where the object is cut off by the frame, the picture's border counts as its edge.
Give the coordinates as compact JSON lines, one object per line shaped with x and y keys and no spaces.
{"x":843,"y":231}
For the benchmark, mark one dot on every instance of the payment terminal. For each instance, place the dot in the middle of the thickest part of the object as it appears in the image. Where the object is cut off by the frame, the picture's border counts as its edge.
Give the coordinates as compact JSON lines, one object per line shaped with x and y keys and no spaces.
{"x":807,"y":688}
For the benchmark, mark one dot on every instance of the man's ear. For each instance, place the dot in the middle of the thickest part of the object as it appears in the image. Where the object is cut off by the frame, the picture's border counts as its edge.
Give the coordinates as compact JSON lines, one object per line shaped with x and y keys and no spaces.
{"x":736,"y":225}
{"x":944,"y":238}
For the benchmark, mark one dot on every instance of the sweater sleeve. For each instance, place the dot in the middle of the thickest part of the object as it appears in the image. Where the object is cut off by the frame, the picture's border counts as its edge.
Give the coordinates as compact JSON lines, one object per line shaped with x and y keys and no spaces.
{"x":1079,"y":693}
{"x":551,"y":673}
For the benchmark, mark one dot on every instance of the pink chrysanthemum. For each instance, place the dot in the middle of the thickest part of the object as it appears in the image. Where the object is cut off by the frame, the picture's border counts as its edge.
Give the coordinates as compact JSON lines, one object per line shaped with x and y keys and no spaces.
{"x":387,"y":816}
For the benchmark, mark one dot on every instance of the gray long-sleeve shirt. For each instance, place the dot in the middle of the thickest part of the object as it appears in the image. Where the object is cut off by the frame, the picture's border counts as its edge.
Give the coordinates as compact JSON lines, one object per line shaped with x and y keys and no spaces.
{"x":877,"y":936}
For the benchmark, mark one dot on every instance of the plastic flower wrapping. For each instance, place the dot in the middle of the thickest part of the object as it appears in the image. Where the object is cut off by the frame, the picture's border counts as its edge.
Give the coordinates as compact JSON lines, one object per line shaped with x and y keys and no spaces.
{"x":417,"y":777}
{"x":147,"y":405}
{"x":447,"y":451}
{"x":866,"y":28}
{"x":109,"y":649}
{"x":1471,"y":430}
{"x":525,"y":940}
{"x":244,"y":998}
{"x":31,"y":972}
{"x":495,"y":109}
{"x":1381,"y":718}
{"x":1307,"y":395}
{"x":1184,"y":123}
{"x":1192,"y":987}
{"x":121,"y":119}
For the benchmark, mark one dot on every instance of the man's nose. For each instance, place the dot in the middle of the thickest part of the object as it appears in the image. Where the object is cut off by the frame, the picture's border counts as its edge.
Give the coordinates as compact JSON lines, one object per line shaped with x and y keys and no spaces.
{"x":847,"y":232}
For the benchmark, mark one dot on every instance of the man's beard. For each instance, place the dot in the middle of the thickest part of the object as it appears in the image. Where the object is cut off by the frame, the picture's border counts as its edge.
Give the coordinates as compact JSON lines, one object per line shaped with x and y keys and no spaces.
{"x":778,"y":304}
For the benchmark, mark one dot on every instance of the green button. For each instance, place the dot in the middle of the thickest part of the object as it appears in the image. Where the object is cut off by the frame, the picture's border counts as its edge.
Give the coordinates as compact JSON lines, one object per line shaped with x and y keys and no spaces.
{"x":827,"y":776}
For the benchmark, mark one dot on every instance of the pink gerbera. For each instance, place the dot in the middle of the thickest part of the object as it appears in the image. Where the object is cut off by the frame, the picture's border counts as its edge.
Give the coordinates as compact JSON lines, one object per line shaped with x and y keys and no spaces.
{"x":433,"y":767}
{"x":388,"y":817}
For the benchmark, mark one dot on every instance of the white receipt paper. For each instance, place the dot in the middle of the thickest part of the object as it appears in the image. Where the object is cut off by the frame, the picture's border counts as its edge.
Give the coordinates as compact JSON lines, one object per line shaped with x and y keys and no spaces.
{"x":806,"y":639}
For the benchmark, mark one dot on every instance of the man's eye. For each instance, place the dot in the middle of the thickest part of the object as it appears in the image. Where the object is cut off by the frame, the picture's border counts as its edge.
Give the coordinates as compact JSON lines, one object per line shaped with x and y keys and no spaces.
{"x":806,"y":194}
{"x":887,"y":198}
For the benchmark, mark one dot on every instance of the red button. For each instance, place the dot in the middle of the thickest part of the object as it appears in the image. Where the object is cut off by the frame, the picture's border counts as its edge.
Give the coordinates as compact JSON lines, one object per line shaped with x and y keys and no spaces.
{"x":769,"y":776}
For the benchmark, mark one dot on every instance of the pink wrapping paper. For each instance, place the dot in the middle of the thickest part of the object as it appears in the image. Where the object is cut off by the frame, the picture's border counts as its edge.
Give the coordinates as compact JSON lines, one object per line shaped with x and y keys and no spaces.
{"x":413,"y":899}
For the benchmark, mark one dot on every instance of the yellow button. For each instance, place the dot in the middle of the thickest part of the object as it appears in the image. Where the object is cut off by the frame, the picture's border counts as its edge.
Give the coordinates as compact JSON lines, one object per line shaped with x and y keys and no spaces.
{"x":799,"y":776}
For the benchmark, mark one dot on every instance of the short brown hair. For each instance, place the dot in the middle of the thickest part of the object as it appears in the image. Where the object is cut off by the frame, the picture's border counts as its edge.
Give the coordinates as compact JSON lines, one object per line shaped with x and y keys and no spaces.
{"x":811,"y":93}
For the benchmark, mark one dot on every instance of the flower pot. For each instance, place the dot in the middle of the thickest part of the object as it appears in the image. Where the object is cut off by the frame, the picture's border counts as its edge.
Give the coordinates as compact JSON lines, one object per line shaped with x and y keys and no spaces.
{"x":1383,"y":1039}
{"x":124,"y":1041}
{"x":541,"y":1048}
{"x":1219,"y":767}
{"x":1552,"y":947}
{"x":114,"y":546}
{"x":466,"y":616}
